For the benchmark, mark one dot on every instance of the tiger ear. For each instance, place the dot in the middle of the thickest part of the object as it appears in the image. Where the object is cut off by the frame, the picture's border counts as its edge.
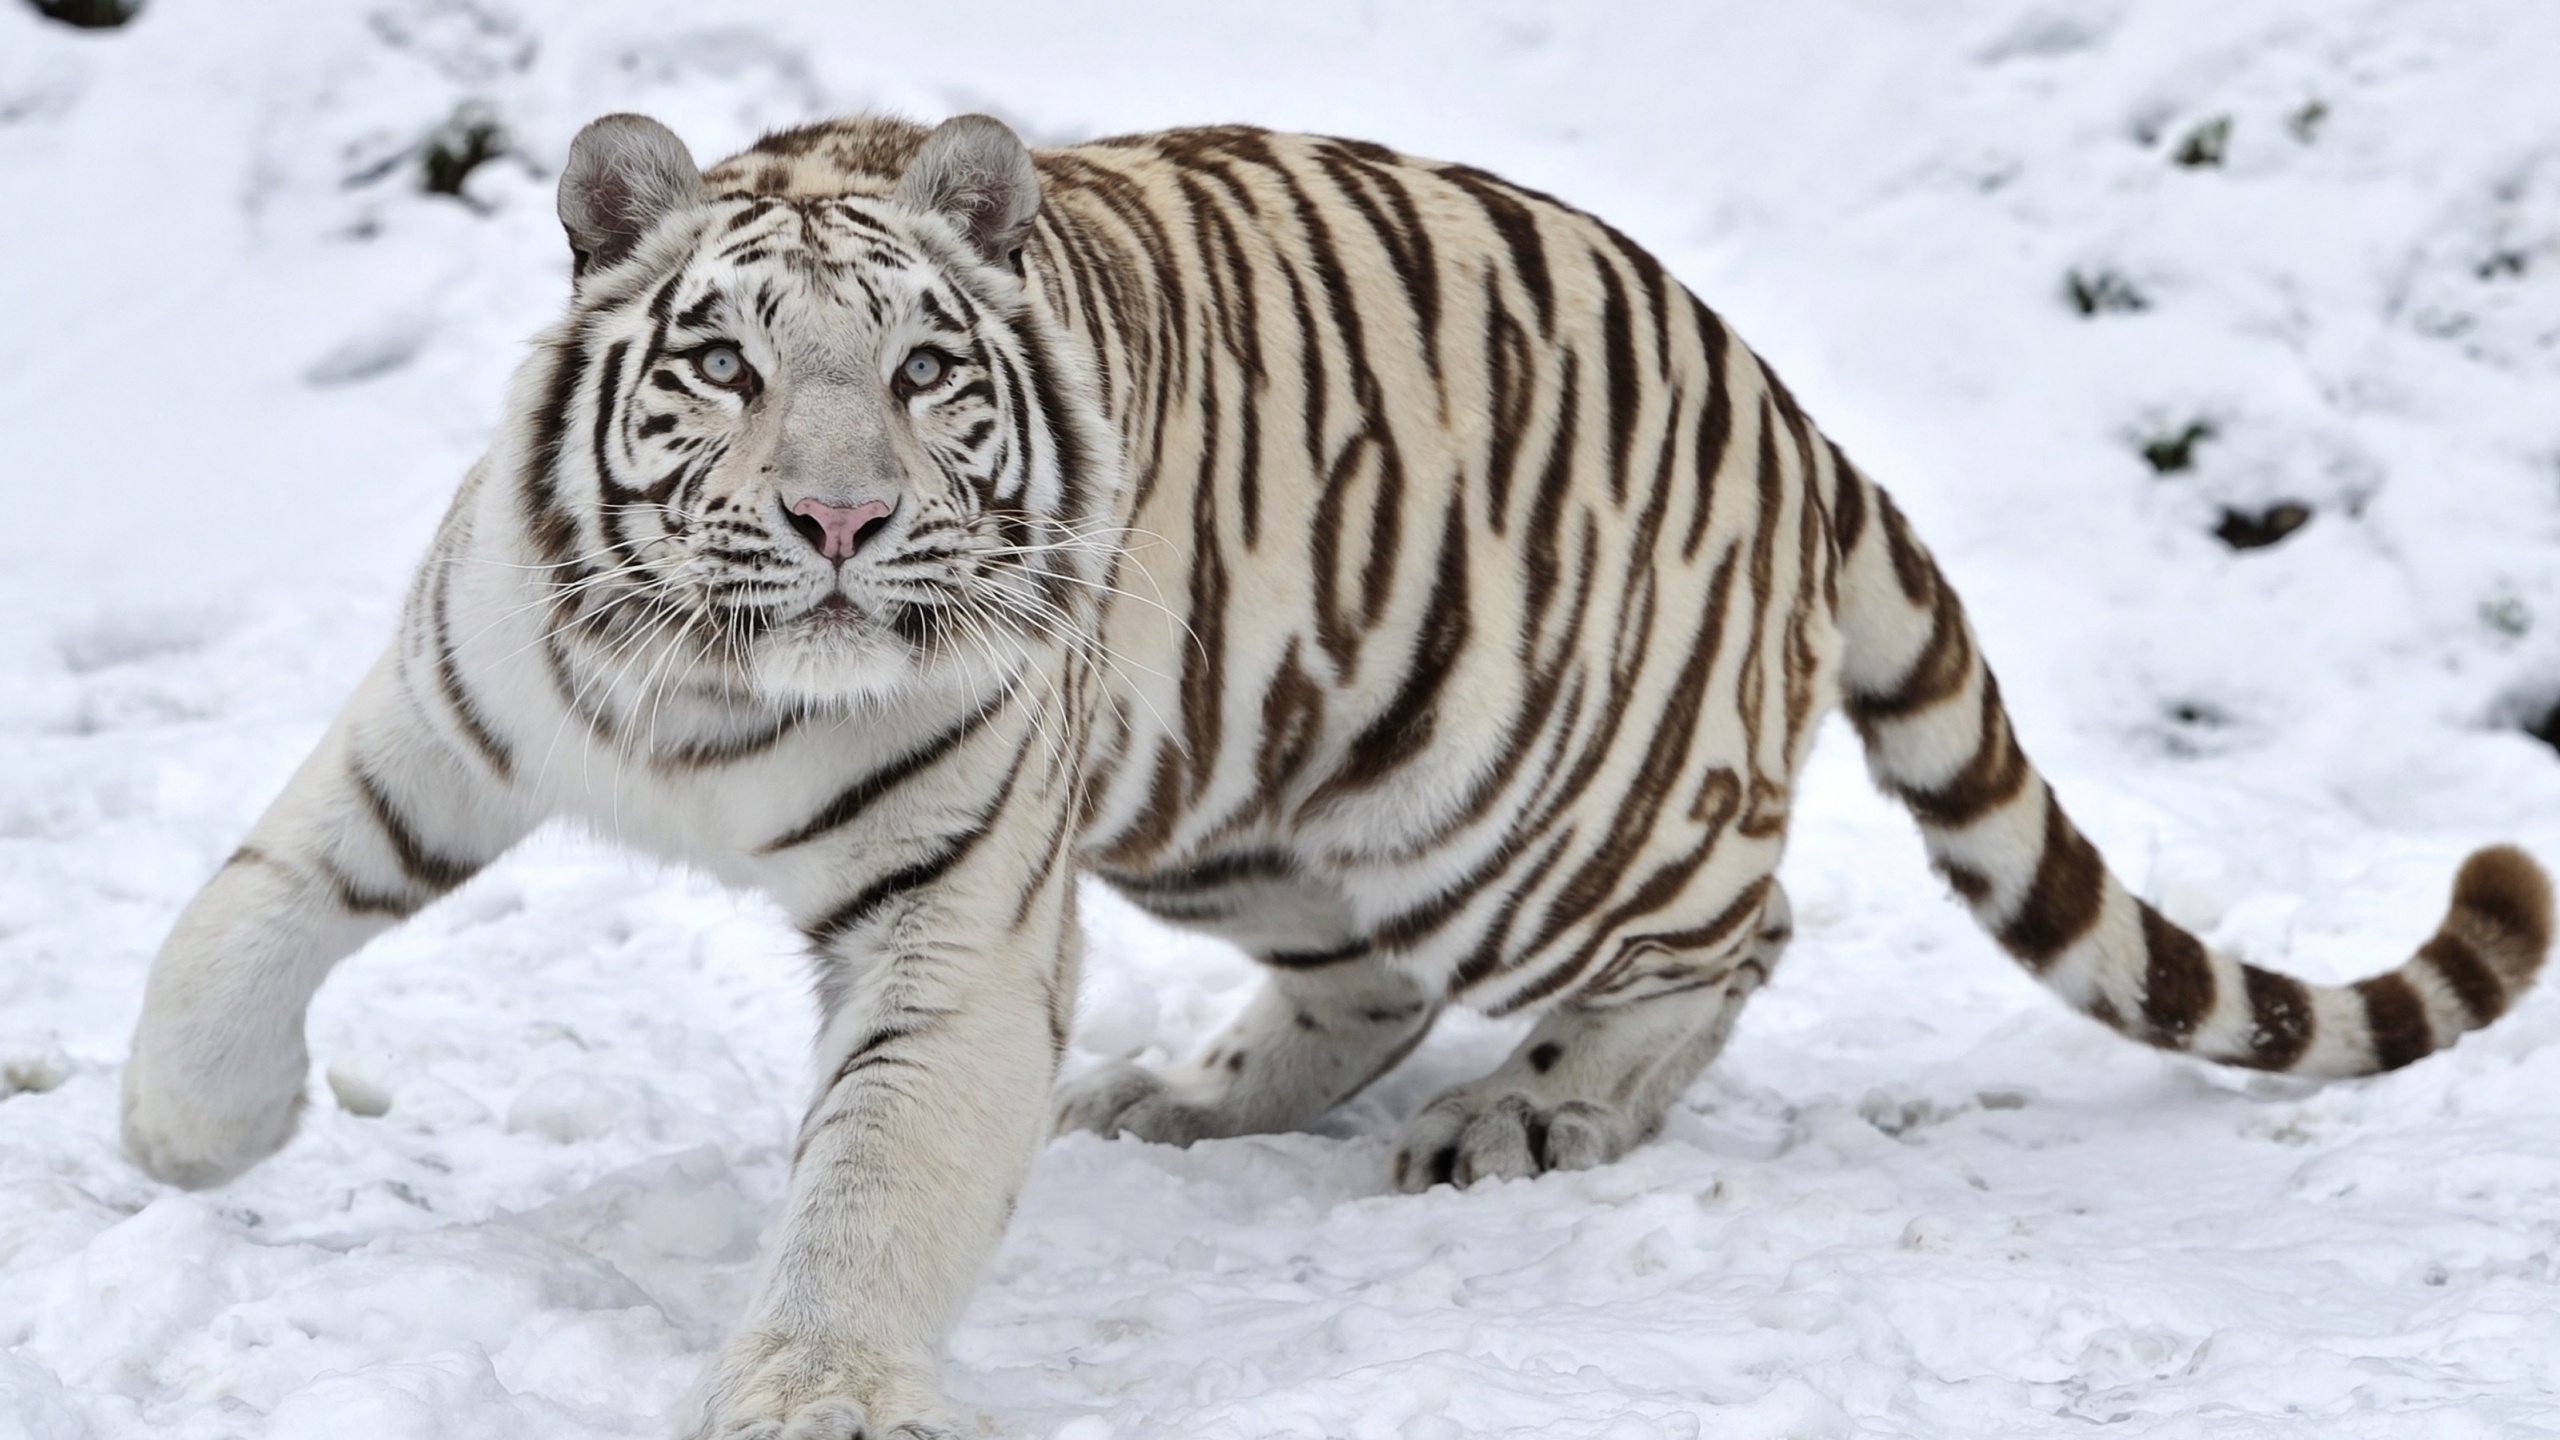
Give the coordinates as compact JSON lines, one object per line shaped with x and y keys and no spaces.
{"x":975,"y":172}
{"x":625,"y":174}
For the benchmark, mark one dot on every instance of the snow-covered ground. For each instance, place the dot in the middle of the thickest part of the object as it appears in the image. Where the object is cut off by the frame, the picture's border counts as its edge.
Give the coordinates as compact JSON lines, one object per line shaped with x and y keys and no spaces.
{"x":246,"y":359}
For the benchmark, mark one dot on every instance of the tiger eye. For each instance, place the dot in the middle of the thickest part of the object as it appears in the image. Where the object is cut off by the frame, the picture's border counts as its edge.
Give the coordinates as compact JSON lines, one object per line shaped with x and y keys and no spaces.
{"x":922,"y":370}
{"x":722,"y":365}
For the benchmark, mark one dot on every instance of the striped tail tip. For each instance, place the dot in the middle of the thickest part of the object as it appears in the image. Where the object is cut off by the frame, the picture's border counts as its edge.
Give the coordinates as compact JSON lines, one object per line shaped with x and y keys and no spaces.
{"x":2496,"y":933}
{"x":2479,"y":961}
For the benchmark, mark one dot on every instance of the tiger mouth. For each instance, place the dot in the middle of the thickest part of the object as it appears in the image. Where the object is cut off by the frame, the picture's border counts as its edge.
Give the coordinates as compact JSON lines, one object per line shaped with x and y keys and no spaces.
{"x":836,"y":614}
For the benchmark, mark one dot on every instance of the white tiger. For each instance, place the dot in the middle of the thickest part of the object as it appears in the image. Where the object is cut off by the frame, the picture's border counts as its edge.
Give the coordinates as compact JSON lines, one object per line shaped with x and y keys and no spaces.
{"x":1502,"y":592}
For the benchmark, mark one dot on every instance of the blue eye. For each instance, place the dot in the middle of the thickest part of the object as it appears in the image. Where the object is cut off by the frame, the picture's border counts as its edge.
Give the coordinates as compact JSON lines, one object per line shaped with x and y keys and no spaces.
{"x":922,"y":370}
{"x":721,"y":365}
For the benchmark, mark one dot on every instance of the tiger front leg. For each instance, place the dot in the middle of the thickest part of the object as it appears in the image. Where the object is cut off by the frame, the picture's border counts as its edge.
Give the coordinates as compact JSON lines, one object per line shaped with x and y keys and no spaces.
{"x":1595,"y":1078}
{"x":932,"y":1066}
{"x":381,"y":819}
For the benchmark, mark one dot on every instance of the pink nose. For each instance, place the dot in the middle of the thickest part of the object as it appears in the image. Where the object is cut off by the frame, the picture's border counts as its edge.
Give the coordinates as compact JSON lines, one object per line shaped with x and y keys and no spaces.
{"x":839,"y":529}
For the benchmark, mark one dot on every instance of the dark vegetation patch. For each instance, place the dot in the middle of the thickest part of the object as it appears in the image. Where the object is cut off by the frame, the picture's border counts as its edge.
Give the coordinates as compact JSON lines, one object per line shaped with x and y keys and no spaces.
{"x":2205,"y":145}
{"x":2503,"y":265}
{"x":2173,"y":452}
{"x":2243,"y":530}
{"x":88,"y":14}
{"x":2094,"y":292}
{"x":2506,"y":616}
{"x":467,"y":140}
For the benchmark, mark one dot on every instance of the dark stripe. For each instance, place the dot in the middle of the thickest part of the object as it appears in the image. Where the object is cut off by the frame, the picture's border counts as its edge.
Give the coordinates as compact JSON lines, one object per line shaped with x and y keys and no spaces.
{"x":1153,"y":825}
{"x":1539,"y":539}
{"x":1617,"y":372}
{"x":851,"y":801}
{"x":2064,"y":900}
{"x":2398,"y":1020}
{"x":608,"y":401}
{"x":1386,"y":535}
{"x":868,"y":1051}
{"x":1765,"y":814}
{"x":725,"y":749}
{"x":554,"y":532}
{"x":871,"y":1052}
{"x":1203,"y":688}
{"x":1715,"y":422}
{"x":1518,"y":227}
{"x":1075,"y":467}
{"x":1970,"y":884}
{"x":1404,"y":729}
{"x":1020,"y":414}
{"x":1995,"y":775}
{"x":1212,"y":873}
{"x":1848,"y":503}
{"x":1609,"y":711}
{"x":457,"y":696}
{"x":1910,"y":563}
{"x":1313,"y":375}
{"x":1713,"y":933}
{"x":1543,"y":686}
{"x":1936,"y":674}
{"x":2483,"y":994}
{"x":1510,"y":385}
{"x":1054,"y":994}
{"x":1493,"y":945}
{"x":361,"y":901}
{"x":1604,"y":871}
{"x":1404,"y":238}
{"x":1292,"y":724}
{"x":2280,"y":1012}
{"x":1631,"y":821}
{"x":424,"y":867}
{"x":1335,"y":634}
{"x":1316,"y":959}
{"x":1053,"y":849}
{"x":438,"y":575}
{"x":2177,"y":984}
{"x":1657,"y":293}
{"x":1247,"y":347}
{"x":906,"y":879}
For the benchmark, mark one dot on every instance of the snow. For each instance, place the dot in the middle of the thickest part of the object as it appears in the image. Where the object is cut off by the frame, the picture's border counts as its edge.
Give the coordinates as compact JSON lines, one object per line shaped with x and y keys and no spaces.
{"x":1915,"y":1198}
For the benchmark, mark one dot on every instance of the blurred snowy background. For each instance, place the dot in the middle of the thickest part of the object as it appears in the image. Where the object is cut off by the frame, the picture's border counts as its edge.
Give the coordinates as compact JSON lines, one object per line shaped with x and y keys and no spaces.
{"x":2215,"y":346}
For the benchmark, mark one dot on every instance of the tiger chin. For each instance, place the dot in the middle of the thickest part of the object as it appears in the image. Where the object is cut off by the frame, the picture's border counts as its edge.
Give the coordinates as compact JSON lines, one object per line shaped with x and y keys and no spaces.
{"x":1375,"y":563}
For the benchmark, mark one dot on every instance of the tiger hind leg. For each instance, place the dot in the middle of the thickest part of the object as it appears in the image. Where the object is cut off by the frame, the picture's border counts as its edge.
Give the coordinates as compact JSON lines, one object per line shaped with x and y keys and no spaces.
{"x":1591,"y":1081}
{"x":1311,"y":1038}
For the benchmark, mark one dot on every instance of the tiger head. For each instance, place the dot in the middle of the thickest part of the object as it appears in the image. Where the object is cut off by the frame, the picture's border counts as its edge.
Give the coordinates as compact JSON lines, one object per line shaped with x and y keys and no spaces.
{"x":818,"y":433}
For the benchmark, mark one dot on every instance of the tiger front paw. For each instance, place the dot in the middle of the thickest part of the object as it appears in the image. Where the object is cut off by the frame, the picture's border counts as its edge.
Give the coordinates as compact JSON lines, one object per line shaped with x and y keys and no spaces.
{"x":769,"y":1385}
{"x":200,"y":1124}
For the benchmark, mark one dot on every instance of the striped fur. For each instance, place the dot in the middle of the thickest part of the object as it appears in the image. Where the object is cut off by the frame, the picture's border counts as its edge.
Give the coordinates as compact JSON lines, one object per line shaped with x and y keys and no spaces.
{"x":1369,"y":560}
